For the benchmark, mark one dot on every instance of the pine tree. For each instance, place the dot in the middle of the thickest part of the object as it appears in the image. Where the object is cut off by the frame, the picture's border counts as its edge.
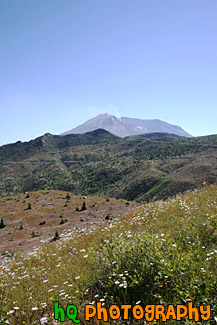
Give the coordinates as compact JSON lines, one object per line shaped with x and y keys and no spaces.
{"x":83,"y":206}
{"x":56,"y":235}
{"x":2,"y":225}
{"x":68,"y":197}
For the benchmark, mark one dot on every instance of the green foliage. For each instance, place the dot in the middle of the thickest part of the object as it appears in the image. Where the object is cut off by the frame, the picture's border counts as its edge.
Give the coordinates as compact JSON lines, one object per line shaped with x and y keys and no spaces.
{"x":33,"y":234}
{"x":56,"y":236}
{"x":83,"y":206}
{"x":163,"y":253}
{"x":63,"y":221}
{"x":29,"y":207}
{"x":2,"y":224}
{"x":68,"y":197}
{"x":3,"y":302}
{"x":108,"y":217}
{"x":153,"y":272}
{"x":146,"y":167}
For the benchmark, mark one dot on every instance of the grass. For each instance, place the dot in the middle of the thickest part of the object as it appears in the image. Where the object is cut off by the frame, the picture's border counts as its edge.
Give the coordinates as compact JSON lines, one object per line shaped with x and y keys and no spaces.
{"x":162,"y":253}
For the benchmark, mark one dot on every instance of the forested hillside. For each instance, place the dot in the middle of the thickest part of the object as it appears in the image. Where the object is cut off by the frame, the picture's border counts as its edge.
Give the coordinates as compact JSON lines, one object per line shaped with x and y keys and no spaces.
{"x":140,"y":167}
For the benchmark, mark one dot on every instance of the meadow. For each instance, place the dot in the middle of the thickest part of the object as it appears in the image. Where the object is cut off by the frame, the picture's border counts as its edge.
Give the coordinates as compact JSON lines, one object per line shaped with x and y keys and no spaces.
{"x":162,"y":253}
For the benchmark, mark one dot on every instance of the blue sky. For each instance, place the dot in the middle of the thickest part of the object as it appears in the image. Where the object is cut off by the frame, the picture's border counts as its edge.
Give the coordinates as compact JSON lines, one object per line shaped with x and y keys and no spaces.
{"x":65,"y":61}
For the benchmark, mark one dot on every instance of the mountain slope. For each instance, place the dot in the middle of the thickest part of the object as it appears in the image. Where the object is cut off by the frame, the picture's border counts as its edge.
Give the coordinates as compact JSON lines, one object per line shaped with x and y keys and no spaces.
{"x":100,"y":163}
{"x":126,"y":126}
{"x":164,"y":252}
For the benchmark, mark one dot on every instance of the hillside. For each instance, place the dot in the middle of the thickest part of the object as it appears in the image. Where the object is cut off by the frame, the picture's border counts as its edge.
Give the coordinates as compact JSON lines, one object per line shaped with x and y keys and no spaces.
{"x":126,"y":126}
{"x":163,"y":253}
{"x":140,"y":167}
{"x":33,"y":218}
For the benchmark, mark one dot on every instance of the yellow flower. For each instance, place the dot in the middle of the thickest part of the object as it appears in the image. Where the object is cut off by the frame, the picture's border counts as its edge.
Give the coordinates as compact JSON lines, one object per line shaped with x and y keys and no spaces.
{"x":159,"y":297}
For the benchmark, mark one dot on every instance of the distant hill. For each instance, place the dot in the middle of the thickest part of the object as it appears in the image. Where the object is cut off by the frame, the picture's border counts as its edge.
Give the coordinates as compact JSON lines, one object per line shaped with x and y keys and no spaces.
{"x":141,"y":167}
{"x":125,"y":126}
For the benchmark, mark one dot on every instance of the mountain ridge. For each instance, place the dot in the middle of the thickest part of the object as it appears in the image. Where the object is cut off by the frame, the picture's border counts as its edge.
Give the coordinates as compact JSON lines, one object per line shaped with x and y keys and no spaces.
{"x":126,"y":126}
{"x":143,"y":167}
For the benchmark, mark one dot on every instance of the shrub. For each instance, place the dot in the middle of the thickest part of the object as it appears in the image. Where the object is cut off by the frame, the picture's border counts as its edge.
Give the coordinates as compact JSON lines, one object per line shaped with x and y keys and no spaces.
{"x":68,"y":197}
{"x":2,"y":225}
{"x":34,"y":234}
{"x":108,"y":217}
{"x":63,"y":221}
{"x":83,"y":206}
{"x":56,"y":236}
{"x":21,"y":227}
{"x":29,"y":206}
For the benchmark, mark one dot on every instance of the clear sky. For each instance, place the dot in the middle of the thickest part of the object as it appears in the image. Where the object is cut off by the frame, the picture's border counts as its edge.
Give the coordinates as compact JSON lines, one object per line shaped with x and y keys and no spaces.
{"x":65,"y":61}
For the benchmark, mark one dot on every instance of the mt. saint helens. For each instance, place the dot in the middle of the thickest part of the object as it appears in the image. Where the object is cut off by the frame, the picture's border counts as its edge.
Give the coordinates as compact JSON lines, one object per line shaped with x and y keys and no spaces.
{"x":125,"y":126}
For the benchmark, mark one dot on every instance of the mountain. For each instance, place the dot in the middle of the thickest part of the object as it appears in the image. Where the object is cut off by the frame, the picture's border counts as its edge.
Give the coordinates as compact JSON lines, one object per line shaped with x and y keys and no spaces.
{"x":141,"y":167}
{"x":125,"y":126}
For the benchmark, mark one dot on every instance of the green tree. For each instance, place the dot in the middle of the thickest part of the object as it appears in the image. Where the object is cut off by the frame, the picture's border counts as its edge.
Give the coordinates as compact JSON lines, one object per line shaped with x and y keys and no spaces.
{"x":83,"y":206}
{"x":56,"y":235}
{"x":2,"y":225}
{"x":68,"y":197}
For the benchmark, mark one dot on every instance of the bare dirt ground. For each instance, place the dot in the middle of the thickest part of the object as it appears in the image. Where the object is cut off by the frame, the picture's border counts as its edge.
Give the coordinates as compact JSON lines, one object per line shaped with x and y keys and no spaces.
{"x":44,"y":212}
